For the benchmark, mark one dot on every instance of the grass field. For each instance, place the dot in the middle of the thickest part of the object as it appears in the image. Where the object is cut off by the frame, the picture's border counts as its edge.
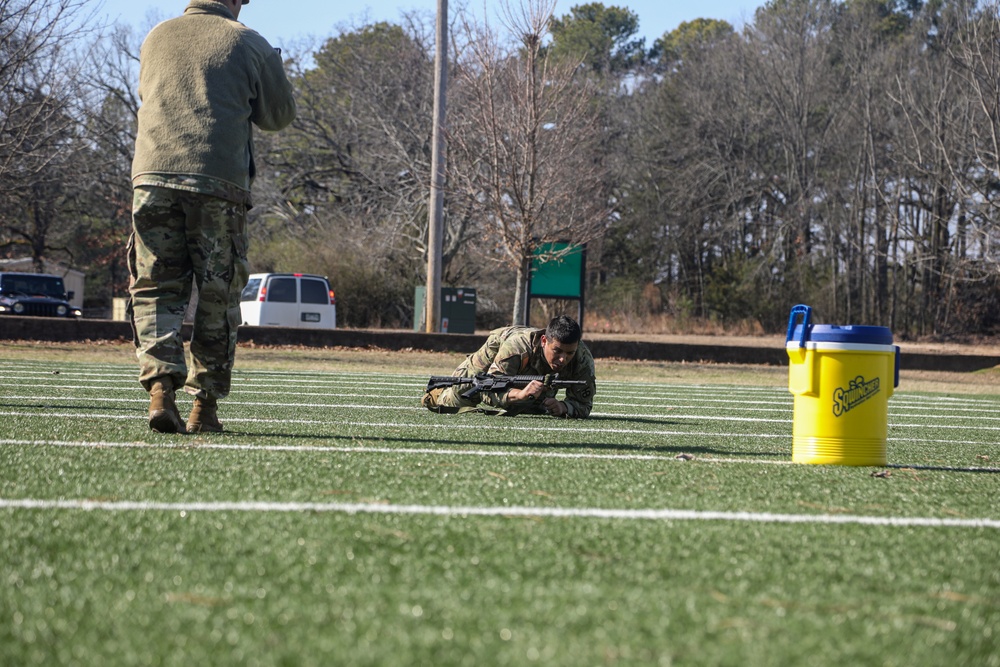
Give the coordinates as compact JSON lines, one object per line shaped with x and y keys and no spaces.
{"x":337,"y":523}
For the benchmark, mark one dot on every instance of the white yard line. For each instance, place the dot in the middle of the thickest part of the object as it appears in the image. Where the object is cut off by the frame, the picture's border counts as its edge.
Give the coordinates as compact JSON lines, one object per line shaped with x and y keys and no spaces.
{"x":969,"y":413}
{"x":498,"y":423}
{"x":505,"y":422}
{"x":508,"y":512}
{"x":405,"y":451}
{"x":248,"y":379}
{"x":432,"y":451}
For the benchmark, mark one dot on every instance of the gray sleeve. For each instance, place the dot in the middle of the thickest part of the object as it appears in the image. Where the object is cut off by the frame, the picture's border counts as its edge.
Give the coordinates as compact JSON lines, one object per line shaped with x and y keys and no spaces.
{"x":273,"y":108}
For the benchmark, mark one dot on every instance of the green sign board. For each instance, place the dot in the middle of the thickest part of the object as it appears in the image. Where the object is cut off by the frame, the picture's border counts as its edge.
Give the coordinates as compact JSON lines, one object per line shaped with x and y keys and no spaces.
{"x":560,"y":276}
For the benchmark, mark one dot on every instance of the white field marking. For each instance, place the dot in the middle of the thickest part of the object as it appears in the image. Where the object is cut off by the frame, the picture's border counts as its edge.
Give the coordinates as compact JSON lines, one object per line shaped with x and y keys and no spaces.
{"x":963,"y":411}
{"x":415,"y":389}
{"x":407,"y":425}
{"x":655,"y":392}
{"x":411,"y":391}
{"x":89,"y":384}
{"x":710,"y":395}
{"x":422,"y":377}
{"x":505,"y":426}
{"x":320,"y":405}
{"x":425,"y":451}
{"x":400,"y":451}
{"x":403,"y":390}
{"x":895,"y":407}
{"x":604,"y":399}
{"x":259,"y":378}
{"x":25,"y":376}
{"x":431,"y":451}
{"x":248,"y":403}
{"x":94,"y":399}
{"x":943,"y":426}
{"x":756,"y":409}
{"x":408,"y":404}
{"x":679,"y":392}
{"x":123,"y":370}
{"x":895,"y":411}
{"x":934,"y":441}
{"x":381,"y":381}
{"x":671,"y":400}
{"x":343,"y":406}
{"x":928,"y":413}
{"x":505,"y":512}
{"x":607,"y":390}
{"x":378,"y":403}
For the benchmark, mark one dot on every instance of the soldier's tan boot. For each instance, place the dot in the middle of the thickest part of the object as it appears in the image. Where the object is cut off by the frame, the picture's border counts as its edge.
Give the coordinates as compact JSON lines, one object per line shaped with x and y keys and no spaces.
{"x":430,"y":399}
{"x":204,"y":417}
{"x":163,"y":414}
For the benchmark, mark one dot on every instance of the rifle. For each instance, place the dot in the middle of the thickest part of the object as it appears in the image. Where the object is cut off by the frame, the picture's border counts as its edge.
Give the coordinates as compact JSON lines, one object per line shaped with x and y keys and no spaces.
{"x":483,"y":382}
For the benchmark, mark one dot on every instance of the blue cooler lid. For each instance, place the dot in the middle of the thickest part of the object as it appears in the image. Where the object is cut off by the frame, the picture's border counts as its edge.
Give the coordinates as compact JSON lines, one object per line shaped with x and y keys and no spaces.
{"x":850,"y":333}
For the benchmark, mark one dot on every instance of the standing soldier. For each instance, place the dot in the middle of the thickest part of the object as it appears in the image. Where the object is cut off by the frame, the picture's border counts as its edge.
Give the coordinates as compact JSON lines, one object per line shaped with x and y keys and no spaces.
{"x":204,"y":80}
{"x":527,"y":351}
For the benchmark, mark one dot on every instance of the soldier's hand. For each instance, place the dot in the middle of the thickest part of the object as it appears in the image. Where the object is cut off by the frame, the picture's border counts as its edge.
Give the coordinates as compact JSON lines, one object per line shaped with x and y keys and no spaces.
{"x":554,"y":407}
{"x":531,"y":392}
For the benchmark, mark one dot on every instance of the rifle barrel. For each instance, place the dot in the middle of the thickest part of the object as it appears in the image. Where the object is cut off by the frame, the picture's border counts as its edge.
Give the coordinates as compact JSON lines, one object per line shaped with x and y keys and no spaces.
{"x":484,"y":379}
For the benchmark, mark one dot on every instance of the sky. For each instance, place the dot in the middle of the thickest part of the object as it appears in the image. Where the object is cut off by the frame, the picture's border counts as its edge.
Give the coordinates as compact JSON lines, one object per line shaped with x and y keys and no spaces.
{"x":286,"y":22}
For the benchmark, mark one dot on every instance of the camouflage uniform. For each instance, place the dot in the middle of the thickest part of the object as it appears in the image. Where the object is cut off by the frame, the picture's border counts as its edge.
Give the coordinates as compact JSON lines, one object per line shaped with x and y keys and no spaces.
{"x":182,"y":236}
{"x":518,"y":351}
{"x":205,"y":82}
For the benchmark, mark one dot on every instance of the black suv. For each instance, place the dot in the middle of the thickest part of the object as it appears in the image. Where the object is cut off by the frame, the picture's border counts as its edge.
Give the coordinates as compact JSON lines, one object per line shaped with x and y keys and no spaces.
{"x":37,"y":294}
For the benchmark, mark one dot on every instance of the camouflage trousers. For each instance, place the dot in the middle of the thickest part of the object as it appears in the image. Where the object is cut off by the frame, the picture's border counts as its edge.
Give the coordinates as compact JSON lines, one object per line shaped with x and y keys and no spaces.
{"x":451,"y":397}
{"x":181,"y":238}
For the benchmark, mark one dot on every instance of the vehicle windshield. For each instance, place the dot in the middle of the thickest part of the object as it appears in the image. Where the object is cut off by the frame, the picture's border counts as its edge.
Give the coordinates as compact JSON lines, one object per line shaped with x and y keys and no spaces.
{"x":50,"y":286}
{"x":250,"y":291}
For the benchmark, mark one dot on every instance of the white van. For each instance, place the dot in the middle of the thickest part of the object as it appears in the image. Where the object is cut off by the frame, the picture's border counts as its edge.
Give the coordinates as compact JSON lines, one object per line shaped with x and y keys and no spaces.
{"x":288,"y":300}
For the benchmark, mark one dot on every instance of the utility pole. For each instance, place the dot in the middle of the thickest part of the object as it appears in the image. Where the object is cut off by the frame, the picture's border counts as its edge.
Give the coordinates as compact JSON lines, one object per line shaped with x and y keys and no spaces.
{"x":435,"y":216}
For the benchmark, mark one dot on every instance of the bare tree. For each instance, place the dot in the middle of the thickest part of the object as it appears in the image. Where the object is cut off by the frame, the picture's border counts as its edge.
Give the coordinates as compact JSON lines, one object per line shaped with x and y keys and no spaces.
{"x":700,"y":139}
{"x":109,"y":115}
{"x":976,"y":53}
{"x":933,"y":160}
{"x":524,"y":132}
{"x":343,"y":191}
{"x":39,"y":124}
{"x":862,"y":223}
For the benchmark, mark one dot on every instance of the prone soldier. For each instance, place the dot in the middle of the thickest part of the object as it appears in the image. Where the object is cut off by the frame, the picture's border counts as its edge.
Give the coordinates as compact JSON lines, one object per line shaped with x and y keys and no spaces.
{"x":516,"y":350}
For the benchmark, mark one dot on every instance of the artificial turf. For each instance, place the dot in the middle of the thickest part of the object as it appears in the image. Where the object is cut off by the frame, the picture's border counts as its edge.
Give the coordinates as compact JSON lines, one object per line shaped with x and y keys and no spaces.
{"x":336,"y":523}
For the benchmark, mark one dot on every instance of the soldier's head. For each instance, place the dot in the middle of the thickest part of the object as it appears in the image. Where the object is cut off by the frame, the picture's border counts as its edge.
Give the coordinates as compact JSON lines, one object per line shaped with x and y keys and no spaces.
{"x":560,"y":342}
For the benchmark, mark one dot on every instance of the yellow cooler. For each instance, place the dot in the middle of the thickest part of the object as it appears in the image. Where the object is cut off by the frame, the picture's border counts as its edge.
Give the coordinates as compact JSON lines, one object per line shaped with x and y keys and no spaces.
{"x":841,"y":378}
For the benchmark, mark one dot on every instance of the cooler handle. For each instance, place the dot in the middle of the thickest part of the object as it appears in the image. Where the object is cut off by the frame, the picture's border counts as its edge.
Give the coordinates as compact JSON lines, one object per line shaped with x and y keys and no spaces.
{"x":806,"y":313}
{"x":895,"y":383}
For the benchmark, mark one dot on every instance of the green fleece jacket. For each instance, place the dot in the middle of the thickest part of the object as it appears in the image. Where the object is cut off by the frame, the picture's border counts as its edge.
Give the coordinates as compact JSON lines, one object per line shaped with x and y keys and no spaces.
{"x":204,"y":78}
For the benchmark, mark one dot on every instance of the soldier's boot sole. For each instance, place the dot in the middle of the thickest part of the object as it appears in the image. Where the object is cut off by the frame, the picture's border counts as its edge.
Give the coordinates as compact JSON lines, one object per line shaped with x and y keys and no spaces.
{"x":430,"y":399}
{"x":204,"y":417}
{"x":163,"y":414}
